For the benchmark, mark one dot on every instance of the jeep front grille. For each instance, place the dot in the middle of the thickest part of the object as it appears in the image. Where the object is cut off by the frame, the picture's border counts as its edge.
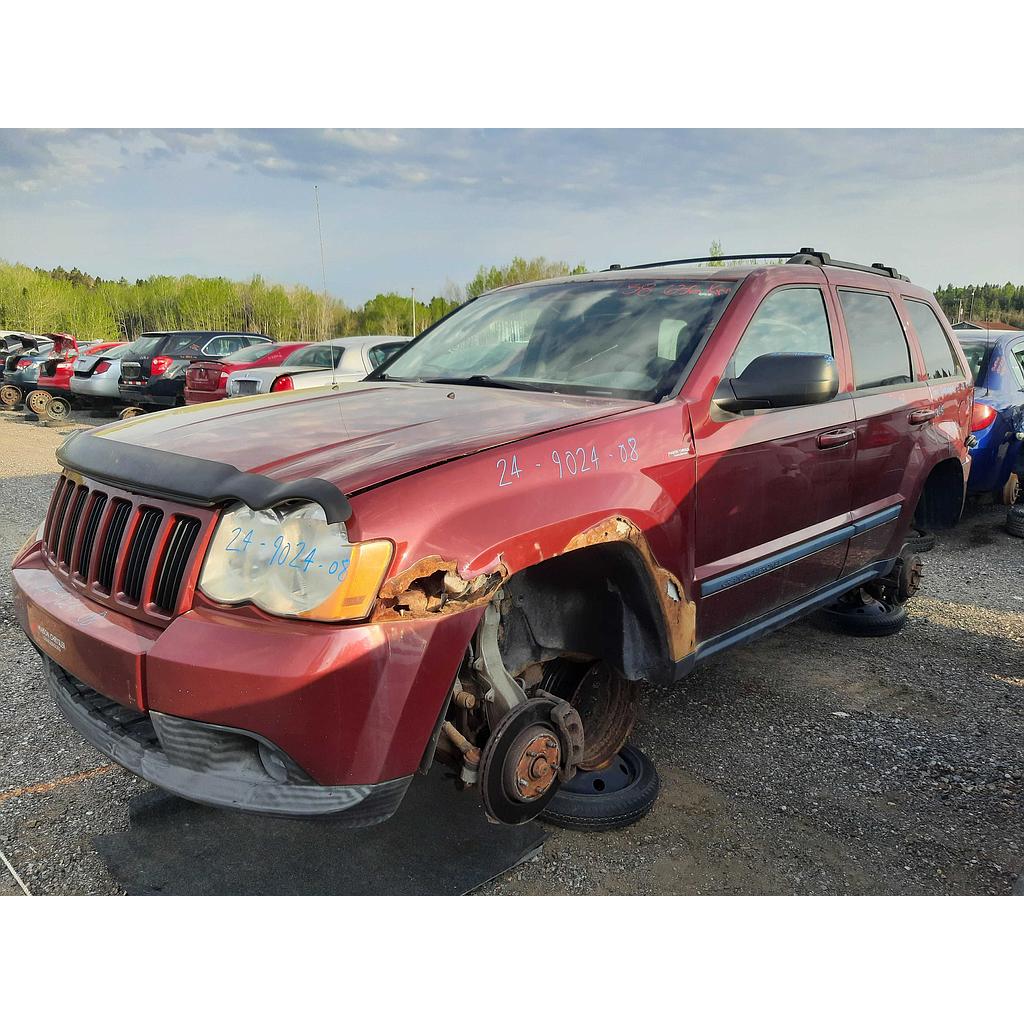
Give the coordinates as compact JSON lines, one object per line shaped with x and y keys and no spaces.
{"x":131,"y":552}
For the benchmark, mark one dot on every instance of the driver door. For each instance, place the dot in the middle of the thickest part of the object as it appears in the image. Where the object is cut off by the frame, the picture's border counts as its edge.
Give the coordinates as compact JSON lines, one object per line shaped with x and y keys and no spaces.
{"x":773,"y":485}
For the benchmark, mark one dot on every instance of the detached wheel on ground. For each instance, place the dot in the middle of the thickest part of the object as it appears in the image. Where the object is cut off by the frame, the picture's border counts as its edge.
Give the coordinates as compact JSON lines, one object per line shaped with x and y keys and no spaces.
{"x":37,"y":401}
{"x":870,"y":617}
{"x":10,"y":396}
{"x":57,"y":409}
{"x":1015,"y":520}
{"x":614,"y":796}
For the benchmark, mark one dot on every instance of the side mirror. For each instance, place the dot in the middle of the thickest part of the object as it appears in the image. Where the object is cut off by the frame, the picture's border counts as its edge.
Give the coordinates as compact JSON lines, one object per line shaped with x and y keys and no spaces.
{"x":778,"y":380}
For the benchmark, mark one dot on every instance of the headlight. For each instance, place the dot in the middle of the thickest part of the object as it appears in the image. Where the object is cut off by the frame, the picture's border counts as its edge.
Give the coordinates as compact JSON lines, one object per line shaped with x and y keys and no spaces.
{"x":291,"y":561}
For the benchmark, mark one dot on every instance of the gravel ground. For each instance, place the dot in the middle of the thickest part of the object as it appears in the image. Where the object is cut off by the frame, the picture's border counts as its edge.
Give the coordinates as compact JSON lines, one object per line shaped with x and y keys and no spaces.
{"x":805,"y":763}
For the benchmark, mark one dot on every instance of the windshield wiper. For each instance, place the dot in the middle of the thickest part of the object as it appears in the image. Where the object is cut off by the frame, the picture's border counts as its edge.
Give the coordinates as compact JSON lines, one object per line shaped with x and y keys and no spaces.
{"x":482,"y":380}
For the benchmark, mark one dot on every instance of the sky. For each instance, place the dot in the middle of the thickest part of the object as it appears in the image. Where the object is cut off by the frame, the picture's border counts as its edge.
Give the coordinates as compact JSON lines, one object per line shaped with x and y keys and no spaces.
{"x":406,"y":209}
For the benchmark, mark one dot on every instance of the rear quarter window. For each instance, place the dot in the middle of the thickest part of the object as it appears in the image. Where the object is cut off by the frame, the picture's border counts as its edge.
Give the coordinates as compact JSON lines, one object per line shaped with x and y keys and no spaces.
{"x":939,"y":359}
{"x":881,"y":357}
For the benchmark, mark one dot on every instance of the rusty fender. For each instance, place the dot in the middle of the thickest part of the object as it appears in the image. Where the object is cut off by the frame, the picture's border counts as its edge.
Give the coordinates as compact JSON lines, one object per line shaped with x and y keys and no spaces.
{"x":433,"y":585}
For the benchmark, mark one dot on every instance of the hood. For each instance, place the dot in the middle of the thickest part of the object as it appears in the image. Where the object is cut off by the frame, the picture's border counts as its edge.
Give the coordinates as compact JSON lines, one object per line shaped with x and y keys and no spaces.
{"x":360,"y":435}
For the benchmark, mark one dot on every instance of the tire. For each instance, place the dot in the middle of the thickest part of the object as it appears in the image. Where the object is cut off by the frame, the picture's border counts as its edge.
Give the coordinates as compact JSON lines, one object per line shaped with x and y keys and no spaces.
{"x":580,"y":807}
{"x":1015,"y":520}
{"x":919,"y":540}
{"x":876,"y":618}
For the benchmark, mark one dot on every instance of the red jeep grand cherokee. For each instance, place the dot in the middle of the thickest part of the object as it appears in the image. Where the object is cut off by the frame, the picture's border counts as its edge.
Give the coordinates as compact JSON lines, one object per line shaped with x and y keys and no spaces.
{"x":291,"y":604}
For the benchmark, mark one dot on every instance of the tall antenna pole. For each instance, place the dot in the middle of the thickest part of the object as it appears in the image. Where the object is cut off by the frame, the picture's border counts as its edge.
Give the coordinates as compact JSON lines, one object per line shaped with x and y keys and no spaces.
{"x":323,"y":276}
{"x":414,"y":312}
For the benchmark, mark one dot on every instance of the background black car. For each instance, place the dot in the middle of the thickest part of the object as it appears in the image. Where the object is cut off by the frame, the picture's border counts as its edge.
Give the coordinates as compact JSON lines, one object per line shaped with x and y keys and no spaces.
{"x":153,"y":368}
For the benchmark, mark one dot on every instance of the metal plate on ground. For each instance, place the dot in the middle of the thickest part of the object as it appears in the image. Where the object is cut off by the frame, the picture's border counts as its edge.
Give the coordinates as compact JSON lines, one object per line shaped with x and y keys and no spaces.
{"x":438,"y":843}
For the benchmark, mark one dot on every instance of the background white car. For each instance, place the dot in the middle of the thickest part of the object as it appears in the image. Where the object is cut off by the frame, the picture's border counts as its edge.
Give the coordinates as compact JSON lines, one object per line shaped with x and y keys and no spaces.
{"x":96,"y":376}
{"x":310,"y":366}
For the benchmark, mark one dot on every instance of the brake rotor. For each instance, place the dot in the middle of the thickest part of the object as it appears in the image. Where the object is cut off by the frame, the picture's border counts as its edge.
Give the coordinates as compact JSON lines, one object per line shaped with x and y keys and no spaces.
{"x":37,"y":401}
{"x":520,"y":763}
{"x":10,"y":396}
{"x":607,"y":705}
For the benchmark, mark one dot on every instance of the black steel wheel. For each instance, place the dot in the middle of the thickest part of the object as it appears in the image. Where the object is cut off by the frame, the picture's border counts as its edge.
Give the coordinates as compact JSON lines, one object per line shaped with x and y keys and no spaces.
{"x":611,"y":797}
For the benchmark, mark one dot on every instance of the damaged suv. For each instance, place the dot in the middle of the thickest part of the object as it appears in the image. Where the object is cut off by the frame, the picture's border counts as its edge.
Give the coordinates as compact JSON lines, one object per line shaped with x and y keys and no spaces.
{"x":562,"y":492}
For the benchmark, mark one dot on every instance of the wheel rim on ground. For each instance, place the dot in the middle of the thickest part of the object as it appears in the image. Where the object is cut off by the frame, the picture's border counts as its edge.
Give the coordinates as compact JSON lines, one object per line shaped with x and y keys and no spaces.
{"x":10,"y":396}
{"x":37,"y":401}
{"x":58,"y":409}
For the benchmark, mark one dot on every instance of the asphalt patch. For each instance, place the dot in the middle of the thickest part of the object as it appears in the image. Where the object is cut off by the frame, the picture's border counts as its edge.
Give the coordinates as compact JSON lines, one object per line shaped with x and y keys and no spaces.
{"x":438,"y":843}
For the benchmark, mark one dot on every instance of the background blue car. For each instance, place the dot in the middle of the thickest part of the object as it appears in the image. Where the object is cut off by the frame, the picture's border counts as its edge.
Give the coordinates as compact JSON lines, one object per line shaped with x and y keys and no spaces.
{"x":997,"y":361}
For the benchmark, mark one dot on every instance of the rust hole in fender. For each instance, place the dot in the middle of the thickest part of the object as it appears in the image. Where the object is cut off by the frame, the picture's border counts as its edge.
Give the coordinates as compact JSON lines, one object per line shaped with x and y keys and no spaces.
{"x":433,"y":586}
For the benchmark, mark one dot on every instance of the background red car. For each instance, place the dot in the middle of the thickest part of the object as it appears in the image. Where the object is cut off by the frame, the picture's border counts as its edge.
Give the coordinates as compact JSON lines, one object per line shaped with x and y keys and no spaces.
{"x":206,"y":380}
{"x":55,"y":374}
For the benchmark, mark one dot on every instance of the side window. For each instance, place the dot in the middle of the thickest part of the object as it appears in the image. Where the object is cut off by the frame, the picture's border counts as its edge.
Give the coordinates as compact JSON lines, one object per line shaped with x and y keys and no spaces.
{"x":216,"y":347}
{"x":788,"y":320}
{"x":879,"y":348}
{"x":938,"y":353}
{"x":234,"y":344}
{"x":1017,"y":362}
{"x":384,"y":351}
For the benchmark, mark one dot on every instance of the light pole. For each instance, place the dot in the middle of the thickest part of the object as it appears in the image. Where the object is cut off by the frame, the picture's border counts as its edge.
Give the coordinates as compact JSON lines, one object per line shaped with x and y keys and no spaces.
{"x":414,"y":312}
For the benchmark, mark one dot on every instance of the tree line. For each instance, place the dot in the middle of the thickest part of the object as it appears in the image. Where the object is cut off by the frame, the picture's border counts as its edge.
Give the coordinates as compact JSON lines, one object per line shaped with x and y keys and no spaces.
{"x":1003,"y":302}
{"x":42,"y":301}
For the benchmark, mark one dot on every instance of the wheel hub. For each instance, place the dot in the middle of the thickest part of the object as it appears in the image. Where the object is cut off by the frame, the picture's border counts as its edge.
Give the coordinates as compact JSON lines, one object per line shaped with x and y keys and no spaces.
{"x":531,"y":765}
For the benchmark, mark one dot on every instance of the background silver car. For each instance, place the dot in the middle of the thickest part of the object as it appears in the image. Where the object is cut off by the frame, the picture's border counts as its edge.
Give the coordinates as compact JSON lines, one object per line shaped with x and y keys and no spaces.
{"x":310,"y":366}
{"x":97,"y":376}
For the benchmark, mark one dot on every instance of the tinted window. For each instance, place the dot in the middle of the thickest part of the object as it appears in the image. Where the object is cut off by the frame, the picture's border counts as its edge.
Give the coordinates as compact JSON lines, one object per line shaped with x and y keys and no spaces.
{"x":314,"y":355}
{"x":185,"y":345}
{"x":877,"y":344}
{"x":612,"y":336}
{"x":788,"y":320}
{"x":1017,"y":363}
{"x":379,"y":353}
{"x":148,"y":344}
{"x":938,"y":355}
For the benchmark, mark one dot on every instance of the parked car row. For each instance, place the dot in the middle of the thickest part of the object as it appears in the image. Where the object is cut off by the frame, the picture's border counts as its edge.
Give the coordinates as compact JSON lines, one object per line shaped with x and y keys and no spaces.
{"x":163,"y":369}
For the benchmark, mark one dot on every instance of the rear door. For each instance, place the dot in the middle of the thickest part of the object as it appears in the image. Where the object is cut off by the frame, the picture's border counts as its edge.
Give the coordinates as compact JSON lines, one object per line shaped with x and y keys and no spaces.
{"x":895,"y":419}
{"x":773,"y":485}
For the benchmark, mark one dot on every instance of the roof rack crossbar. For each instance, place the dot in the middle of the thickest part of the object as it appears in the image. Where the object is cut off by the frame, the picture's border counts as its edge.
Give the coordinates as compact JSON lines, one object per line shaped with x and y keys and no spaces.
{"x":807,"y":255}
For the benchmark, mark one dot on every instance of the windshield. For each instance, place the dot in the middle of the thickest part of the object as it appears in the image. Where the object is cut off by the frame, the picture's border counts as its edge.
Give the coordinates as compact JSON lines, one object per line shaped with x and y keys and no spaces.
{"x":314,"y":355}
{"x":617,"y":337}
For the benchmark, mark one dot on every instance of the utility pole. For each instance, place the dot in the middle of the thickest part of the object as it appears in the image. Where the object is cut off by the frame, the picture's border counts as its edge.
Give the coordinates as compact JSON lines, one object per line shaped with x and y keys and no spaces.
{"x":414,"y":312}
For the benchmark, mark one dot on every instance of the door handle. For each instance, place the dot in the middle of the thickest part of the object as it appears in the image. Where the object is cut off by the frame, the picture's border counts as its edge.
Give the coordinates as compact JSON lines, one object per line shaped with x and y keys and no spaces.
{"x":836,"y":438}
{"x":923,"y":415}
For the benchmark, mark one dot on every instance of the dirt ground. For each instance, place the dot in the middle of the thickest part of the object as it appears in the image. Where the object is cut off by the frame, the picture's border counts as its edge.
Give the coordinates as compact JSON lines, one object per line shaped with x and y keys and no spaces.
{"x":805,"y":763}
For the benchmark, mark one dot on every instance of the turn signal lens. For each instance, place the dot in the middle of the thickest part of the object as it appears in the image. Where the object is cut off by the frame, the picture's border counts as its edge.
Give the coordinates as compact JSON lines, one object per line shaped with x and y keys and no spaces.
{"x":283,"y":384}
{"x":982,"y":416}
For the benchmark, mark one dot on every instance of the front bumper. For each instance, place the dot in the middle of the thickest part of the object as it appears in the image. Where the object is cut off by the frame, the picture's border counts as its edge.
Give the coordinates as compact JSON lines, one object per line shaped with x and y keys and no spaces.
{"x":210,"y":765}
{"x":351,"y":706}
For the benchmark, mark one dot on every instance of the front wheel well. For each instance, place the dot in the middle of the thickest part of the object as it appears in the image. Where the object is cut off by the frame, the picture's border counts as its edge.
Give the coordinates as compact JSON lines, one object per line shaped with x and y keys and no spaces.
{"x":942,"y":497}
{"x":596,"y":602}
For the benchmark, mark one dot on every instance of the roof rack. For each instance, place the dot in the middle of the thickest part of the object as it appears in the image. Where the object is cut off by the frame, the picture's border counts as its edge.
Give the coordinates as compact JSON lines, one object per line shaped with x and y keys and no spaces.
{"x":807,"y":255}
